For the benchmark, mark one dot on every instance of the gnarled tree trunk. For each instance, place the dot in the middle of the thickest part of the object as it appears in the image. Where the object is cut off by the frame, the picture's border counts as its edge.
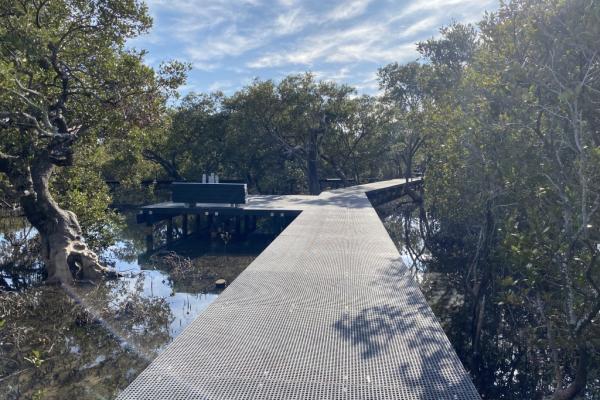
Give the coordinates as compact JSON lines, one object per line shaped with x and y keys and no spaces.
{"x":577,"y":386}
{"x":63,"y":249}
{"x":170,"y":166}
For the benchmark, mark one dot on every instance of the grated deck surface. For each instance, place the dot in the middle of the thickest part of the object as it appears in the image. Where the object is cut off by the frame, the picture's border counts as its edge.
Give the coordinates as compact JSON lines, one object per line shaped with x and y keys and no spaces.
{"x":253,"y":202}
{"x":327,"y":311}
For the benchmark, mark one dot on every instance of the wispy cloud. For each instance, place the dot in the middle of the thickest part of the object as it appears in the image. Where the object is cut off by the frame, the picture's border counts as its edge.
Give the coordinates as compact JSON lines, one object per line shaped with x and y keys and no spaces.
{"x":228,"y":43}
{"x":425,"y":25}
{"x":291,"y":21}
{"x":222,"y":86}
{"x":371,"y":42}
{"x":342,"y":40}
{"x":339,"y":75}
{"x":348,"y":10}
{"x":288,"y":3}
{"x":466,"y":11}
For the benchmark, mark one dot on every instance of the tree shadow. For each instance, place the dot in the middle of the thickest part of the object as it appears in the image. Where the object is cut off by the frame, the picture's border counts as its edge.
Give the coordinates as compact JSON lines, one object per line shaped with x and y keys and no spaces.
{"x":403,"y":337}
{"x":372,"y":328}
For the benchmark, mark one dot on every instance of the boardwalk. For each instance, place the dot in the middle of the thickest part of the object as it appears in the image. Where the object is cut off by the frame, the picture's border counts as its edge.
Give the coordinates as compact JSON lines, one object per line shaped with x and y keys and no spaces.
{"x":292,"y":203}
{"x":327,"y":311}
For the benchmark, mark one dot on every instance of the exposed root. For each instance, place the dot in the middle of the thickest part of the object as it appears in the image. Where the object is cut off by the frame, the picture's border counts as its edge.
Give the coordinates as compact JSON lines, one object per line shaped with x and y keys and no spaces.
{"x":73,"y":261}
{"x":84,"y":263}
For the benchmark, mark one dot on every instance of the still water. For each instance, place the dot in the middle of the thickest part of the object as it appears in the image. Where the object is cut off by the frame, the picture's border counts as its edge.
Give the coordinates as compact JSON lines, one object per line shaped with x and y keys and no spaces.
{"x":184,"y":305}
{"x":91,"y":341}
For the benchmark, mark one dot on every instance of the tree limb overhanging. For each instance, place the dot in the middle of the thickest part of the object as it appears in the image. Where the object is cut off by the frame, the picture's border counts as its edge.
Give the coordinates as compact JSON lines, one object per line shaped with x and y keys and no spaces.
{"x":66,"y":77}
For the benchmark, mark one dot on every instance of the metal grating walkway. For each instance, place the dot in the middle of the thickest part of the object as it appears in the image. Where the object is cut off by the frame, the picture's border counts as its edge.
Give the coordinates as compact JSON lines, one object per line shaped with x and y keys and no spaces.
{"x":327,"y":311}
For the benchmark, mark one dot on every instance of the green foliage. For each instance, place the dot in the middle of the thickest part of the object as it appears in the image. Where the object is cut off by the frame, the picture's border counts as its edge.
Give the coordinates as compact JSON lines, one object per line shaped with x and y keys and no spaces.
{"x":502,"y":118}
{"x":278,"y":137}
{"x":82,"y":190}
{"x":73,"y":96}
{"x":512,"y":187}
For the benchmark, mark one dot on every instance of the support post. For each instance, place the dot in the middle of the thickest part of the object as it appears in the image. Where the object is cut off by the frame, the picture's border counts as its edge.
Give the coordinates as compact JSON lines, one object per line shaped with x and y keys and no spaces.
{"x":274,"y":219}
{"x":210,"y":225}
{"x":184,"y":225}
{"x":198,"y":223}
{"x":169,"y":231}
{"x":149,"y":237}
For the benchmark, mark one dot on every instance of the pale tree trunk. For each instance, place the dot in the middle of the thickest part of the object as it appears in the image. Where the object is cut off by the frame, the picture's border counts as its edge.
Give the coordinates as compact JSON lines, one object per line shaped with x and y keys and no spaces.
{"x":63,"y":249}
{"x":338,"y":170}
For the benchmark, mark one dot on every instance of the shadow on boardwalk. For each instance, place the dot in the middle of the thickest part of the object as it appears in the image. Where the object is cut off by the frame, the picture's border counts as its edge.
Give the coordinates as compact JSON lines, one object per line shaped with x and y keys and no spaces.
{"x":432,"y":369}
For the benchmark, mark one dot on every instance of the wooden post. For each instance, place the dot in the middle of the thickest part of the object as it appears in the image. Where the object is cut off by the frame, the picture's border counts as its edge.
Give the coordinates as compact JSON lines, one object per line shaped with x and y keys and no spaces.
{"x":210,"y":225}
{"x":198,"y":224}
{"x":149,"y":237}
{"x":219,"y":223}
{"x":274,"y":219}
{"x":169,"y":231}
{"x":184,"y":225}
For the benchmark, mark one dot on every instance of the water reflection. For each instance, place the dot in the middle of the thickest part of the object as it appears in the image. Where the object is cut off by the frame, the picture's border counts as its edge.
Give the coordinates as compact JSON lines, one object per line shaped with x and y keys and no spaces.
{"x":90,"y":342}
{"x":408,"y":228}
{"x":402,"y":221}
{"x":184,"y":306}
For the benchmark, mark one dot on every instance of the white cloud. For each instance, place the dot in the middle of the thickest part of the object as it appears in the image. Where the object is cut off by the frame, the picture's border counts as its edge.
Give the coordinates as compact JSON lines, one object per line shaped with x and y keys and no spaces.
{"x":222,"y":29}
{"x":287,"y":3}
{"x":291,"y":21}
{"x":222,"y":86}
{"x":442,"y":5}
{"x":348,"y":10}
{"x":186,"y":20}
{"x":341,"y":40}
{"x":368,"y":42}
{"x":337,"y":75}
{"x":426,"y":24}
{"x":205,"y":66}
{"x":226,"y":44}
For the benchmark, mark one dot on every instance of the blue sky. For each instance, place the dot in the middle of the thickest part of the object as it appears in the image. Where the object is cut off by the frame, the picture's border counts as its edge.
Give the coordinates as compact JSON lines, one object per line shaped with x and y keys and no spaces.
{"x":231,"y":42}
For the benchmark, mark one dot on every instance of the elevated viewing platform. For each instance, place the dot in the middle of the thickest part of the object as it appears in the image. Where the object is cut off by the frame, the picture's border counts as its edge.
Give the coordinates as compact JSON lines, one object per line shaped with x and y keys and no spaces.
{"x":327,"y":311}
{"x":258,"y":205}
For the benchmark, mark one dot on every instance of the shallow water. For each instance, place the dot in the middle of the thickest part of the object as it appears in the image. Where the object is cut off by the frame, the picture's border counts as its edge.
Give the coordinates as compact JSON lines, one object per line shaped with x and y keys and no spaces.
{"x":183,"y":305}
{"x":90,"y":342}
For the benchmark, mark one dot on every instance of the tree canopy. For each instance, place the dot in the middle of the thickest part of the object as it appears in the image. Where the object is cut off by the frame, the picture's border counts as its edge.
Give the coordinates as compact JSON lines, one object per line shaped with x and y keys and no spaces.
{"x":278,"y":137}
{"x":512,"y":191}
{"x":501,"y":118}
{"x":69,"y":83}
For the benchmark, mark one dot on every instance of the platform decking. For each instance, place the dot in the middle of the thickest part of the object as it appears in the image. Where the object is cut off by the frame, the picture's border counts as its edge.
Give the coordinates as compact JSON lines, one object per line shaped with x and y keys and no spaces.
{"x":261,"y":204}
{"x":327,"y":311}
